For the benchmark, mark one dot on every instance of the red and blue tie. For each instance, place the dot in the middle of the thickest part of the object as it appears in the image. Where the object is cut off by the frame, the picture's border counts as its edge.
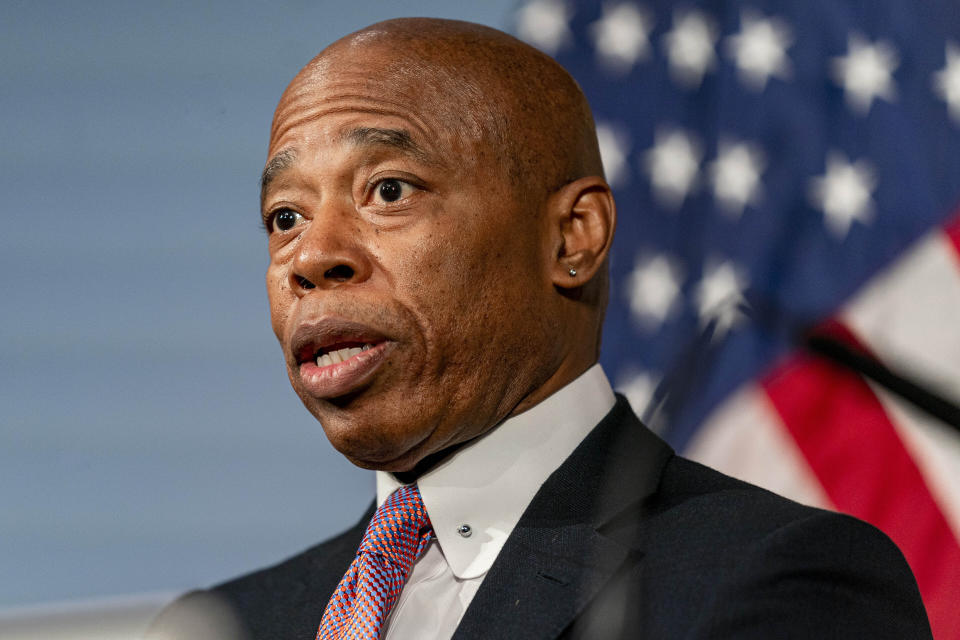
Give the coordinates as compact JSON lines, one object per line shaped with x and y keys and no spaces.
{"x":396,"y":536}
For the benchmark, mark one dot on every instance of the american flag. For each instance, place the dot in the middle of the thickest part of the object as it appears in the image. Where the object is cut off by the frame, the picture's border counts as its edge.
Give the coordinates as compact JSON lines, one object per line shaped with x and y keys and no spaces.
{"x":786,"y":272}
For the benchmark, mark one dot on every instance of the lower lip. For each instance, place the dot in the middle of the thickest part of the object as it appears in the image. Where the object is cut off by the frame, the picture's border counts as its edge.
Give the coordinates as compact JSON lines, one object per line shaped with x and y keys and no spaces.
{"x":341,"y":378}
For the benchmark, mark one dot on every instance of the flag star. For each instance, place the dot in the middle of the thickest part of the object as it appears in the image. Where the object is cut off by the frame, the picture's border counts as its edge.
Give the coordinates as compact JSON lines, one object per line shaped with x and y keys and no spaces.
{"x":543,"y":23}
{"x":690,"y":47}
{"x":719,"y":296}
{"x":866,"y":73}
{"x":638,"y":387}
{"x":843,"y":193}
{"x":620,"y":35}
{"x":673,"y":164}
{"x":947,"y":81}
{"x":653,"y":289}
{"x":736,"y":176}
{"x":614,"y":148}
{"x":760,"y":50}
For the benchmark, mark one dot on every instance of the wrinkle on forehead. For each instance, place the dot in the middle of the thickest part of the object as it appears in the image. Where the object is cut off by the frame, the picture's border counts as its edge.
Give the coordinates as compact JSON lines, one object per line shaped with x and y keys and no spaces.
{"x":433,"y":98}
{"x":304,"y":106}
{"x":495,"y":98}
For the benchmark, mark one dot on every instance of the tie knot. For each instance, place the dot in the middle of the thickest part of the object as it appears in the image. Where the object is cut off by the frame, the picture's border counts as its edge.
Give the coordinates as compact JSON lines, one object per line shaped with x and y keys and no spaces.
{"x":395,"y":530}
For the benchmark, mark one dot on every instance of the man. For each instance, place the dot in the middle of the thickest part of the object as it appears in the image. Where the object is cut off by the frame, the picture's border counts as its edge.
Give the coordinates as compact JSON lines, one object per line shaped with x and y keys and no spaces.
{"x":439,"y":229}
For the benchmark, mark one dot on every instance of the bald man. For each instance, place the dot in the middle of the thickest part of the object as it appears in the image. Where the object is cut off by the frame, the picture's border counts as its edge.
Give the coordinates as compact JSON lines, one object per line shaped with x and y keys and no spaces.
{"x":438,"y":229}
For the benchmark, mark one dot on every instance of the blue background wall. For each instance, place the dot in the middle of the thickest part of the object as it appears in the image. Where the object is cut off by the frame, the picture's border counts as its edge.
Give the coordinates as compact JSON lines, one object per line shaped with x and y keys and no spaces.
{"x":148,"y":437}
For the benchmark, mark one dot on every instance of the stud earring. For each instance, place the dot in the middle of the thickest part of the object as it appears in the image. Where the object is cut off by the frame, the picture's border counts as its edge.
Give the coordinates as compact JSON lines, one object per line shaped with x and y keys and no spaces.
{"x":572,"y":272}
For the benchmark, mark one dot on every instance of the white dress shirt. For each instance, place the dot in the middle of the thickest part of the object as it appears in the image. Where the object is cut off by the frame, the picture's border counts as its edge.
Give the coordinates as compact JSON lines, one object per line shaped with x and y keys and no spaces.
{"x":487,"y":485}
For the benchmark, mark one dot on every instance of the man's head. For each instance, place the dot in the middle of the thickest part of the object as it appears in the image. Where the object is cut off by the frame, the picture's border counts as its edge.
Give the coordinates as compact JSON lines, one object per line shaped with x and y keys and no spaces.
{"x":433,"y":196}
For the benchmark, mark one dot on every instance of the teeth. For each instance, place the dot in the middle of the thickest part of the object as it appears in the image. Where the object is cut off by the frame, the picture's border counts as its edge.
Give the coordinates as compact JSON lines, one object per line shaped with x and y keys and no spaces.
{"x":340,"y":355}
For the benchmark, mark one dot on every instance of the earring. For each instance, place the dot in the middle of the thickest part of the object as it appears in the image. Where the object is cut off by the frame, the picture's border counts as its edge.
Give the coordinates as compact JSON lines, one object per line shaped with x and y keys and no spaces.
{"x":572,"y":272}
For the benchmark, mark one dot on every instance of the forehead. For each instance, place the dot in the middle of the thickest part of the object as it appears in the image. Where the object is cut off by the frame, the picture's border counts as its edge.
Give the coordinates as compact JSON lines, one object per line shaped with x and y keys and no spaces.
{"x":376,"y":88}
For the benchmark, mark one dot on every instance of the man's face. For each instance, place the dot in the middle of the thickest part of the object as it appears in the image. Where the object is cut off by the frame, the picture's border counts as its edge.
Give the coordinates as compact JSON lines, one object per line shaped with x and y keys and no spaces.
{"x":408,"y":282}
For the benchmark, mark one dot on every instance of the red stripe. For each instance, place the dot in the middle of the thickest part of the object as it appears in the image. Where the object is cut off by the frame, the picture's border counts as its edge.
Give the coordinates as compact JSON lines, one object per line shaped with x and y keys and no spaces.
{"x":952,"y":231}
{"x":853,"y":448}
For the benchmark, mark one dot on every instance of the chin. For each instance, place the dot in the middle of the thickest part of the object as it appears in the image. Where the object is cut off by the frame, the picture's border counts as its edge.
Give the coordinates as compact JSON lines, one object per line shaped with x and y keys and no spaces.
{"x":382,"y":429}
{"x":370,"y":443}
{"x":400,"y":465}
{"x":381,"y":458}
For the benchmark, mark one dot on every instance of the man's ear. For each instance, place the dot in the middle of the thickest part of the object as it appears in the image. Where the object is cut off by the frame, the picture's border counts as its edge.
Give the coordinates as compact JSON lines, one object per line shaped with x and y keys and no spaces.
{"x":582,"y":217}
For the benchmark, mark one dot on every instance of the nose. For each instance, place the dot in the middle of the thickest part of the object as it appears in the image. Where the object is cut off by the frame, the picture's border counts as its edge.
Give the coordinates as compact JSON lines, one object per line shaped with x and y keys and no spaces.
{"x":330,"y":254}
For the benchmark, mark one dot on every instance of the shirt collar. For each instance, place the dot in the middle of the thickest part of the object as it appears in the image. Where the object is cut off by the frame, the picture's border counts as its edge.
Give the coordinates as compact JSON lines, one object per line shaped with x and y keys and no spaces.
{"x":489,"y":483}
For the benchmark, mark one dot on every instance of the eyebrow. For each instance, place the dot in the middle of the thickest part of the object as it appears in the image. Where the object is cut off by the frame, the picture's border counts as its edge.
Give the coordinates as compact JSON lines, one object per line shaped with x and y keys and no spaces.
{"x":275,"y":166}
{"x":398,"y":139}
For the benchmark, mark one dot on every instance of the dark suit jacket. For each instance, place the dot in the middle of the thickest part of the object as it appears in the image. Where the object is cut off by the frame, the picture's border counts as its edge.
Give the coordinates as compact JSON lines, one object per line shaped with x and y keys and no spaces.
{"x":628,"y":540}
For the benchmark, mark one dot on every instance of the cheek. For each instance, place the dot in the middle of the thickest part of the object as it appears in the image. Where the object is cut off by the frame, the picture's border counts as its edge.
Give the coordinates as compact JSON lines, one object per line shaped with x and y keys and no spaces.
{"x":280,"y":297}
{"x":473,"y":288}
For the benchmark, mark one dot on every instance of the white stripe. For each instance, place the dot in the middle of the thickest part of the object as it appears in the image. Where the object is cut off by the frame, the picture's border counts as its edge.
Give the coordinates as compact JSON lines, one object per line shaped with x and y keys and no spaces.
{"x":746,"y":439}
{"x":909,"y":316}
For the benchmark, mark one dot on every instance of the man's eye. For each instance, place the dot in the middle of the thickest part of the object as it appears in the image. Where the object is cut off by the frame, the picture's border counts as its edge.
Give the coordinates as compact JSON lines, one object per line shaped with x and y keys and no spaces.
{"x":391,"y":190}
{"x":285,"y":219}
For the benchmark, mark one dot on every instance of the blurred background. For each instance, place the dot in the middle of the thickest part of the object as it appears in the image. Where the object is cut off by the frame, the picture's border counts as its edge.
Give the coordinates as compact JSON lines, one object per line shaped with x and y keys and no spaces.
{"x":786,"y":275}
{"x":149,"y":439}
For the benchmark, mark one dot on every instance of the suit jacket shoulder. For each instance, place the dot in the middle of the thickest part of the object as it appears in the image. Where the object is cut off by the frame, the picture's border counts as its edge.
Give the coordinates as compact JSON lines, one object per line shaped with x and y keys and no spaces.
{"x":772,"y":567}
{"x":628,"y":540}
{"x":624,"y":540}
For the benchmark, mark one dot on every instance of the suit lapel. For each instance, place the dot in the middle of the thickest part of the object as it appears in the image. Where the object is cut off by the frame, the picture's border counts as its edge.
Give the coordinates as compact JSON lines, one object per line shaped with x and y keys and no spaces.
{"x":540,"y":582}
{"x":560,"y":555}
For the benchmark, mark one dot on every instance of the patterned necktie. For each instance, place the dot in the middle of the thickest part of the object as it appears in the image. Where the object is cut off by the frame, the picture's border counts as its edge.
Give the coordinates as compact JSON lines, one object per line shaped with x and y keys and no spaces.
{"x":399,"y":531}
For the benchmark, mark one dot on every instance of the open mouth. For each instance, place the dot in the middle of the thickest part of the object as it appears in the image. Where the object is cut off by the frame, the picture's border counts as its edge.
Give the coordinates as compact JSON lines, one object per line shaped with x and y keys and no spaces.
{"x":334,"y":357}
{"x":341,"y":368}
{"x":337,"y":353}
